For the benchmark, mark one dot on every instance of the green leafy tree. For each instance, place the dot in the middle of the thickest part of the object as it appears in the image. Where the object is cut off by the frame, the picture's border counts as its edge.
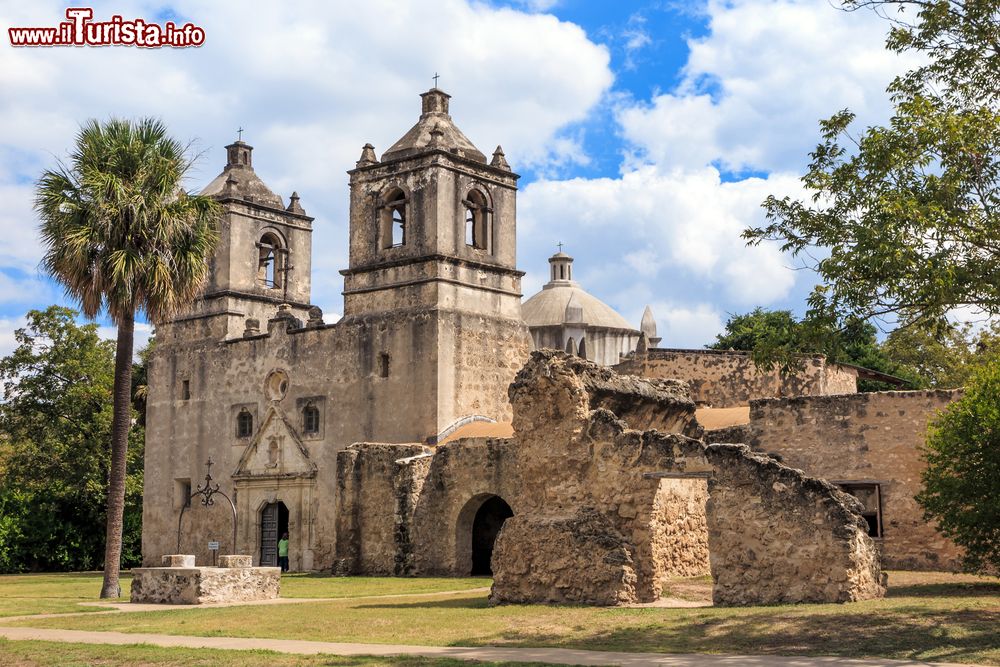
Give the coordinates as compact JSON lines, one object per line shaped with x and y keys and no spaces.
{"x":124,"y":238}
{"x":962,"y":478}
{"x":905,"y":214}
{"x":55,"y":428}
{"x":776,"y":337}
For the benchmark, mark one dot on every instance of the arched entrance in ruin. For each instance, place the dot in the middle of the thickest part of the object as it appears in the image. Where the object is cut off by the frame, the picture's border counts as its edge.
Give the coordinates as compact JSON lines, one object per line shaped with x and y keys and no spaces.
{"x":490,"y":513}
{"x":273,"y":524}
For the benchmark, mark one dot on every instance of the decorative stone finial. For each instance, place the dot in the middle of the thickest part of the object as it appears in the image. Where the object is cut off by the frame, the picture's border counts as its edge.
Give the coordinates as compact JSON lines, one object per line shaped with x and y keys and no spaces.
{"x":367,"y":156}
{"x":648,"y":327}
{"x":294,"y":206}
{"x":499,"y":161}
{"x":315,"y":317}
{"x":252,"y":327}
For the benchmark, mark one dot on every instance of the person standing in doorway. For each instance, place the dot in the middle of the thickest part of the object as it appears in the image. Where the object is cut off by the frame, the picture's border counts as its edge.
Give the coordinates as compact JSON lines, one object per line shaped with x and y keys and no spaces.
{"x":283,"y":552}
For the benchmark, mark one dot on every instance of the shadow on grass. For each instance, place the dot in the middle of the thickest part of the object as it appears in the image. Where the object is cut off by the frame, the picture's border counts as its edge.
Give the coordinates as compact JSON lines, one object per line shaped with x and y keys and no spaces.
{"x":446,"y":603}
{"x":910,"y":634}
{"x":945,"y":590}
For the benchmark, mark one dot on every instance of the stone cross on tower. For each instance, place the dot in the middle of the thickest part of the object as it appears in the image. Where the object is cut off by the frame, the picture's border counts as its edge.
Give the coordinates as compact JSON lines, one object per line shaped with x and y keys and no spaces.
{"x":435,"y":77}
{"x":239,"y":134}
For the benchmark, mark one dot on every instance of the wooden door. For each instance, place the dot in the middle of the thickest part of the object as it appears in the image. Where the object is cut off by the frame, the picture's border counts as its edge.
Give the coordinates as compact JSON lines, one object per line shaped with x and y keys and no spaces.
{"x":269,"y":535}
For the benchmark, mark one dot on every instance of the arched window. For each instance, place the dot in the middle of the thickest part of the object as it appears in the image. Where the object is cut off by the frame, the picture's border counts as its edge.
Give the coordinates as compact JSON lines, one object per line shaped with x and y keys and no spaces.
{"x":477,"y":227}
{"x":270,"y":261}
{"x":310,"y":419}
{"x":244,"y":424}
{"x":393,"y":216}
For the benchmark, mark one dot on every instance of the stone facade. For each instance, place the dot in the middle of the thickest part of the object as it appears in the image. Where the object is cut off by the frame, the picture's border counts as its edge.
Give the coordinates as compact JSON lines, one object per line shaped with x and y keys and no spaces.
{"x":722,"y":379}
{"x":253,"y":378}
{"x":860,"y":441}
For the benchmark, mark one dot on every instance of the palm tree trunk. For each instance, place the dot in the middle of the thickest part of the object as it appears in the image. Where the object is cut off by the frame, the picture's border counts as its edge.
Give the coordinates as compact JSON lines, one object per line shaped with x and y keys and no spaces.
{"x":122,"y":420}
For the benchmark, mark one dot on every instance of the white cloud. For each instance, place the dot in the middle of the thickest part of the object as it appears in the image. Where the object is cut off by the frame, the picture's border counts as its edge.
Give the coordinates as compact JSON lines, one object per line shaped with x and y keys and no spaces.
{"x":311,"y":81}
{"x":680,"y":225}
{"x":755,"y":86}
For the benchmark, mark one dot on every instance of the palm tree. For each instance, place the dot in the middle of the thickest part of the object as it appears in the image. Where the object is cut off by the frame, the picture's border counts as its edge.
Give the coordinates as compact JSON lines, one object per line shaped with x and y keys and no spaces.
{"x":123,"y":237}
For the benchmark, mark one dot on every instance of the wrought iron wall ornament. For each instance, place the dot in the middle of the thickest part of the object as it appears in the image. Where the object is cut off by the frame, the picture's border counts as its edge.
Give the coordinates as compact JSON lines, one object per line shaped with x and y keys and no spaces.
{"x":207,"y":491}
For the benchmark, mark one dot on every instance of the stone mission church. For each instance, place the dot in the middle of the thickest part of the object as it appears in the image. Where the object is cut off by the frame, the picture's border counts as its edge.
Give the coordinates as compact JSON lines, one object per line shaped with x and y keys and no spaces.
{"x":433,"y":333}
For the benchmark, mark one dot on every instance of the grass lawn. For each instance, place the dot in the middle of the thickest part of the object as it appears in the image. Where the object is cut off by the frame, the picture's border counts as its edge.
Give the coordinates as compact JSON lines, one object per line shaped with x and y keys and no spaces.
{"x":23,"y":594}
{"x":52,"y":593}
{"x":926,"y":616}
{"x":43,"y":654}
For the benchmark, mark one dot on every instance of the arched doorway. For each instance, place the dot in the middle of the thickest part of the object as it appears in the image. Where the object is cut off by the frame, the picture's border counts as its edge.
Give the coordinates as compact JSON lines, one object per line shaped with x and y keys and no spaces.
{"x":485,"y":528}
{"x":273,"y":524}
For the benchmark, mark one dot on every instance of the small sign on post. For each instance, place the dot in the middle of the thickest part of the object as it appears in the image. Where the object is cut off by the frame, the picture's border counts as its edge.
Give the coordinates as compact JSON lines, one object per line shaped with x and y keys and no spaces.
{"x":214,"y":548}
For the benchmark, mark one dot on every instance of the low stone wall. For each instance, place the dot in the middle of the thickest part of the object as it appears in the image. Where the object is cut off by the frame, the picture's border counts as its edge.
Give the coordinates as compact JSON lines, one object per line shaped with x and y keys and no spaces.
{"x":180,"y":582}
{"x":721,"y":379}
{"x":871,"y":437}
{"x":603,"y":512}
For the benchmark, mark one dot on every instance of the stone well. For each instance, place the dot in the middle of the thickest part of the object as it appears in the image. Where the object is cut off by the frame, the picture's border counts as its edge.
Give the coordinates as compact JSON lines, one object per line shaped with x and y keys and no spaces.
{"x":179,"y":581}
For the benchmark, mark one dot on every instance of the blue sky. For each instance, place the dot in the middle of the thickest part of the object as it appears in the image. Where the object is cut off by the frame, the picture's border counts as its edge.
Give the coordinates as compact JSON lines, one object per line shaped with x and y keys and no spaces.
{"x":646,"y":133}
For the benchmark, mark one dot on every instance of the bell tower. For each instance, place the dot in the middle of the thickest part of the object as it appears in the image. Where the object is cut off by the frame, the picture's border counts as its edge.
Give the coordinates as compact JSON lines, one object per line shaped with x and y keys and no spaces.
{"x":264,"y":254}
{"x":432,"y":270}
{"x":433,"y":223}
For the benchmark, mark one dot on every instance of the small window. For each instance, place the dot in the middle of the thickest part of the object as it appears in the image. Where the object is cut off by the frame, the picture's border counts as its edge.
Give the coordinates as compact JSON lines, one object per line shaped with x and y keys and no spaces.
{"x":477,"y":231}
{"x":393,"y":231}
{"x":383,"y":365}
{"x":182,"y":493}
{"x":310,"y":419}
{"x":186,"y":390}
{"x":870,"y":495}
{"x":244,"y":424}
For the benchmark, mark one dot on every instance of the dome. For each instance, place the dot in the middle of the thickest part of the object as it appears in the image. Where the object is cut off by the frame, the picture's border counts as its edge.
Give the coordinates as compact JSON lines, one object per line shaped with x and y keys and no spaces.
{"x":563,"y":301}
{"x":549,"y":308}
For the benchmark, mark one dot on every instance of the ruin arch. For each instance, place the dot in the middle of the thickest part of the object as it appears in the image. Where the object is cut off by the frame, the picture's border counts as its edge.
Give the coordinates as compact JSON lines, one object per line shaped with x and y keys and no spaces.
{"x":476,"y":530}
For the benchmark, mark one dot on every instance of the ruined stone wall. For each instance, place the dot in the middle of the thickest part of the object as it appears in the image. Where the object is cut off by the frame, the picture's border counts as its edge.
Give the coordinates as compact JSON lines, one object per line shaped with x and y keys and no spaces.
{"x":722,"y":379}
{"x":373,"y":508}
{"x":874,"y":437}
{"x":777,"y":536}
{"x":591,"y":492}
{"x":459,"y":478}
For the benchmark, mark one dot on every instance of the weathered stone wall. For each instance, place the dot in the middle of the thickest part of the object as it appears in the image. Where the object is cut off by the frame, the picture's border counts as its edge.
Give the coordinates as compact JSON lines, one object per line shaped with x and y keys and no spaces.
{"x":372,"y":503}
{"x":777,"y":536}
{"x":459,"y":478}
{"x":564,"y":559}
{"x":602,"y":505}
{"x":723,"y":379}
{"x":679,"y":528}
{"x":335,"y":367}
{"x":870,"y":437}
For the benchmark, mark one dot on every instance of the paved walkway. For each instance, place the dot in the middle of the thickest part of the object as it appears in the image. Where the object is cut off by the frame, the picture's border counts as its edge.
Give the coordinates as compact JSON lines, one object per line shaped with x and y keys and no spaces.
{"x":486,"y":653}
